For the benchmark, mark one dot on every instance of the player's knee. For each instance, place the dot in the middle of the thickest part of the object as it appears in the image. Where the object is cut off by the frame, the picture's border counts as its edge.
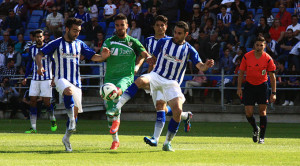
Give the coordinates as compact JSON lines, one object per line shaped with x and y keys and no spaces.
{"x":262,"y":112}
{"x":139,"y":82}
{"x":160,"y":105}
{"x":68,"y":91}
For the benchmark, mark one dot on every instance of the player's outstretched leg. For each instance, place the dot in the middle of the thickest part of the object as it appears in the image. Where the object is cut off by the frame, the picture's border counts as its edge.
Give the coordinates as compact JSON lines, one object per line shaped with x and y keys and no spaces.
{"x":113,"y":124}
{"x":172,"y":130}
{"x":159,"y":126}
{"x":50,"y":109}
{"x":33,"y":117}
{"x":185,"y":117}
{"x":263,"y":126}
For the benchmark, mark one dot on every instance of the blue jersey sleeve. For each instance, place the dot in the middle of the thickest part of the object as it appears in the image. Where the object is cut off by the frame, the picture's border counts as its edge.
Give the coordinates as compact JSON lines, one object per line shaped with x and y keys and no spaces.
{"x":86,"y":51}
{"x":50,"y":48}
{"x":194,"y":56}
{"x":158,"y":47}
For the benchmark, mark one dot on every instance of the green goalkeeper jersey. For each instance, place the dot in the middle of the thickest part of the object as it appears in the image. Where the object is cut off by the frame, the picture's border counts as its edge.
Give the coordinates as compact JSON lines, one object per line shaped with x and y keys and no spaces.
{"x":123,"y":53}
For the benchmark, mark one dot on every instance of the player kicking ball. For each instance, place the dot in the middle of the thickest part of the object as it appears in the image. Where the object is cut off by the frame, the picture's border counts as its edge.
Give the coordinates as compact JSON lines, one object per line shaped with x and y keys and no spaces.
{"x":171,"y":56}
{"x":40,"y":85}
{"x":66,"y":52}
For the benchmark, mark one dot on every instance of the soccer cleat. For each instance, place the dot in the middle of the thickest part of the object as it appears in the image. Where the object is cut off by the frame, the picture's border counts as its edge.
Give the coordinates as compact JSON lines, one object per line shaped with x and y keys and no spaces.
{"x":113,"y":112}
{"x":115,"y":145}
{"x":114,"y":127}
{"x":67,"y":144}
{"x":187,"y":122}
{"x":72,"y":126}
{"x":255,"y":136}
{"x":30,"y":131}
{"x":53,"y":125}
{"x":168,"y":147}
{"x":150,"y":141}
{"x":261,"y":141}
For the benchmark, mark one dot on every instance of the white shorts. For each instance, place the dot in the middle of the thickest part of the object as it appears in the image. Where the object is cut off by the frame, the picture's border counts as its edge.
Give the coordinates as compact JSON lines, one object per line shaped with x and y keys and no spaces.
{"x":62,"y":84}
{"x":40,"y":88}
{"x":163,"y":89}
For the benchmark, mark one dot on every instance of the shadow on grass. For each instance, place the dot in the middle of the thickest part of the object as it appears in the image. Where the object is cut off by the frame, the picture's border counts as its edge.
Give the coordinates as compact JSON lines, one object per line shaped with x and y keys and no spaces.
{"x":100,"y":151}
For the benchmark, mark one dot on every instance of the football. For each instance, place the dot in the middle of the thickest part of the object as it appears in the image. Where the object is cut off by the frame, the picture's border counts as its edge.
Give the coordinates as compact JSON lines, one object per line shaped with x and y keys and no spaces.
{"x":108,"y":91}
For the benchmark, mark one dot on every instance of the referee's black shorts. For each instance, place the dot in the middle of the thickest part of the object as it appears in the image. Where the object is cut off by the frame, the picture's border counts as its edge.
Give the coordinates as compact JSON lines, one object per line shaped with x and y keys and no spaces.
{"x":255,"y":94}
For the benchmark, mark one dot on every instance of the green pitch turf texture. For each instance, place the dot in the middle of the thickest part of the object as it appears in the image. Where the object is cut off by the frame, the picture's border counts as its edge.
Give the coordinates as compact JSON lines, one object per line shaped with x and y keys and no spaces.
{"x":206,"y":144}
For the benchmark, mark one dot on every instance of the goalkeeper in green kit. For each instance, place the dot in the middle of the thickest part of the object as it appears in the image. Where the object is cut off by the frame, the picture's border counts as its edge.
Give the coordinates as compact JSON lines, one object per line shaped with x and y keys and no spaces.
{"x":121,"y":67}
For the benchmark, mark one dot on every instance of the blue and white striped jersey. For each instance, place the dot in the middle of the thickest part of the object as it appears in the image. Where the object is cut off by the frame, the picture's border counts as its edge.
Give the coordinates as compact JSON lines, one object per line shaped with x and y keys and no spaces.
{"x":226,"y":19}
{"x":66,"y":57}
{"x":172,"y":58}
{"x":150,"y":44}
{"x":32,"y":66}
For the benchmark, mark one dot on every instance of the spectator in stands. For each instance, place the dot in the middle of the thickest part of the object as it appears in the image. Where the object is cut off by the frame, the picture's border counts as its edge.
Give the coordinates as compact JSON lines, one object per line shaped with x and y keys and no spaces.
{"x":280,"y":81}
{"x":5,"y":42}
{"x":124,"y":8}
{"x":223,"y":33}
{"x":54,"y":21}
{"x":110,"y":10}
{"x":31,"y":42}
{"x":134,"y":31}
{"x":21,"y":10}
{"x":212,"y":48}
{"x":70,"y":7}
{"x":149,"y":21}
{"x":2,"y":59}
{"x":239,"y":8}
{"x":12,"y":23}
{"x":93,"y":9}
{"x":11,"y":53}
{"x":284,"y":16}
{"x":207,"y":15}
{"x":196,"y":16}
{"x":295,"y":26}
{"x":213,"y":6}
{"x":9,"y":69}
{"x":267,"y":13}
{"x":272,"y":46}
{"x":151,"y":3}
{"x":297,"y":8}
{"x":9,"y":96}
{"x":277,"y":31}
{"x":85,"y":17}
{"x":194,"y":32}
{"x":209,"y":26}
{"x":235,"y":30}
{"x":19,"y":46}
{"x":137,"y":2}
{"x":169,"y":8}
{"x":6,"y":6}
{"x":263,"y":27}
{"x":286,"y":3}
{"x":134,"y":15}
{"x":197,"y":81}
{"x":247,"y":33}
{"x":99,"y":42}
{"x":226,"y":62}
{"x":291,"y":82}
{"x":46,"y":5}
{"x":295,"y":56}
{"x":286,"y":45}
{"x":46,"y":37}
{"x":224,"y":16}
{"x":92,"y":30}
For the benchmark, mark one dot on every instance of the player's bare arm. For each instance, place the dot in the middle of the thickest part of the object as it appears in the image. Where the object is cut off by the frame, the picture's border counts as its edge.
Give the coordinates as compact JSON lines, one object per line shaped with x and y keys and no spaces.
{"x":105,"y":53}
{"x":273,"y":86}
{"x":240,"y":80}
{"x":38,"y":60}
{"x":205,"y":66}
{"x":141,"y":60}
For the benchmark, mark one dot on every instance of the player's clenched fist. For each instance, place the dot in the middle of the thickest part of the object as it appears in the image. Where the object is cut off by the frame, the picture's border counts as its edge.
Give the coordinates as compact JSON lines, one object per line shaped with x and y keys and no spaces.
{"x":41,"y":71}
{"x":210,"y":63}
{"x":105,"y":53}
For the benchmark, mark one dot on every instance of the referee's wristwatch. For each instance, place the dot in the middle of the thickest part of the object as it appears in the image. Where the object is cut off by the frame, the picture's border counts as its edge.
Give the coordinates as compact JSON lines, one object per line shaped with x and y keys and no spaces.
{"x":274,"y":93}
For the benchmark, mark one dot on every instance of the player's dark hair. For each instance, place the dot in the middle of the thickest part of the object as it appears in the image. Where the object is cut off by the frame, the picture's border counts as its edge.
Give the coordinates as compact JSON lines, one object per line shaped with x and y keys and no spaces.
{"x":260,"y":39}
{"x":31,"y":33}
{"x":70,"y":21}
{"x":183,"y":25}
{"x":223,"y":6}
{"x":161,"y":18}
{"x":120,"y":16}
{"x":38,"y":31}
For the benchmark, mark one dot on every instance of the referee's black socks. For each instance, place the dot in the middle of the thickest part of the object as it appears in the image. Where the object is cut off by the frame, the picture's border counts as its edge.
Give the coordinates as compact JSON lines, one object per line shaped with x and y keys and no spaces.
{"x":251,"y":120}
{"x":263,"y":126}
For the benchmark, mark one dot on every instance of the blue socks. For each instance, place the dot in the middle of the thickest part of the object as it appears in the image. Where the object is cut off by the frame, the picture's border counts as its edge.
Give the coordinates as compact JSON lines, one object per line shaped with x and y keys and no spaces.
{"x":173,"y":126}
{"x":131,"y":90}
{"x":33,"y":111}
{"x":170,"y":113}
{"x":69,"y":101}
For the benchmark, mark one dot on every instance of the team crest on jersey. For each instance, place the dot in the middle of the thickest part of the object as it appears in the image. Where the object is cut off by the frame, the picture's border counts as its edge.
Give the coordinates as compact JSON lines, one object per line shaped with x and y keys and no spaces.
{"x":263,"y":72}
{"x":129,"y":44}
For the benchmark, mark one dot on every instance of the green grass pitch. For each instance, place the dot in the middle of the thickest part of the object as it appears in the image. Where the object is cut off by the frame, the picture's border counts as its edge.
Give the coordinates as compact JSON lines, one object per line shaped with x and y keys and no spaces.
{"x":206,"y":144}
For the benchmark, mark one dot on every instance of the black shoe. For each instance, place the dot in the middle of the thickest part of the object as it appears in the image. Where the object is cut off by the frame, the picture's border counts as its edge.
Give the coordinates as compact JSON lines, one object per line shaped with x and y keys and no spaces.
{"x":255,"y":136}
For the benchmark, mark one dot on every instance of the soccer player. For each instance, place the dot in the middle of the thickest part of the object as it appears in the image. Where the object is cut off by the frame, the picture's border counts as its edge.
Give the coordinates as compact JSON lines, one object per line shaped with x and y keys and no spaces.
{"x":40,"y":85}
{"x":160,"y":27}
{"x":66,"y":52}
{"x":171,"y":56}
{"x":121,"y":67}
{"x":257,"y":64}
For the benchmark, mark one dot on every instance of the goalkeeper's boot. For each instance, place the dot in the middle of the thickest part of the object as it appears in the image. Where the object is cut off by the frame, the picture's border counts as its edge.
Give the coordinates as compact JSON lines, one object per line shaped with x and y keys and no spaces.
{"x":168,"y":147}
{"x":30,"y":131}
{"x":187,"y":122}
{"x":255,"y":135}
{"x":53,"y":125}
{"x":150,"y":141}
{"x":67,"y":144}
{"x":114,"y":127}
{"x":115,"y":145}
